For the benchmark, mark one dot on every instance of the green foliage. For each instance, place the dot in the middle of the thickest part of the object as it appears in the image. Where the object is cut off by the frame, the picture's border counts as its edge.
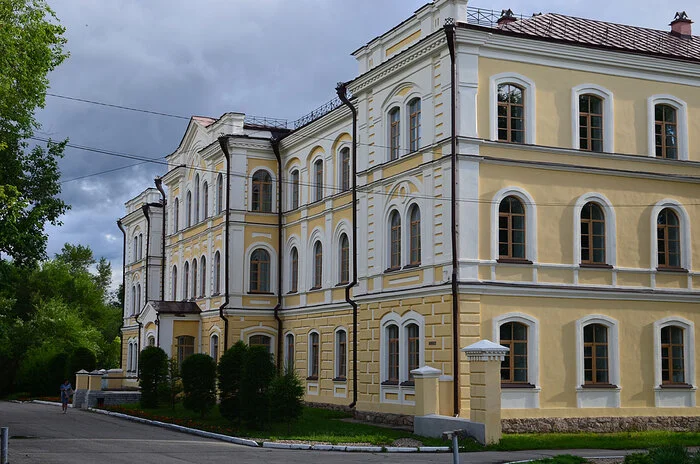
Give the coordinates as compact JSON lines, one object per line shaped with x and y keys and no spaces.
{"x":82,"y":358}
{"x":153,"y":374}
{"x":258,"y":372}
{"x":638,"y":458}
{"x":230,"y":376}
{"x":199,"y":383}
{"x":286,"y":397}
{"x":563,"y":459}
{"x":669,"y":454}
{"x":42,"y":370}
{"x":78,"y":258}
{"x":173,"y":387}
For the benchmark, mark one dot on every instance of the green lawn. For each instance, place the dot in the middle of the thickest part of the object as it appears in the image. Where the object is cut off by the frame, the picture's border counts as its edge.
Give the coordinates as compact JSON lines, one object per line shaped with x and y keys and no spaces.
{"x":318,"y":425}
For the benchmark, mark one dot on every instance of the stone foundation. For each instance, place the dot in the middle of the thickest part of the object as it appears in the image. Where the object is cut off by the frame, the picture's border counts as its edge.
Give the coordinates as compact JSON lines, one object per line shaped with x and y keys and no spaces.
{"x":398,"y":420}
{"x":89,"y":399}
{"x":602,"y":424}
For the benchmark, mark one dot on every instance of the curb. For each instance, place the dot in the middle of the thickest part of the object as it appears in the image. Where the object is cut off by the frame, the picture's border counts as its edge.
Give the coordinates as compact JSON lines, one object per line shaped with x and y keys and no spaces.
{"x":587,"y":457}
{"x":268,"y":444}
{"x":50,"y":403}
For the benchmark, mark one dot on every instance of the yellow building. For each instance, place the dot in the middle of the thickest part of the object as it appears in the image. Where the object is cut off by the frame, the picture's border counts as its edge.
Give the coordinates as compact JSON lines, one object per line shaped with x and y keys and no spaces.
{"x":528,"y":180}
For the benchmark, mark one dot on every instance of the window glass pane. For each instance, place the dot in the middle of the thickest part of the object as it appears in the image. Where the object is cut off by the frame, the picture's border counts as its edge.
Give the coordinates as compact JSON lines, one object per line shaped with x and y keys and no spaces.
{"x":601,"y":333}
{"x":588,"y":334}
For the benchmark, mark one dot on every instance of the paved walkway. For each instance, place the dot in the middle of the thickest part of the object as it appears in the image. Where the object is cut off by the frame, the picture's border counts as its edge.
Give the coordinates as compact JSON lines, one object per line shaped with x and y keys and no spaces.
{"x":42,"y":434}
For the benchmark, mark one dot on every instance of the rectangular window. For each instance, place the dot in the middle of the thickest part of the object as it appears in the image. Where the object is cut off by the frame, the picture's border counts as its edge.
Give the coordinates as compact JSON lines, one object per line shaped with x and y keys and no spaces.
{"x":672,"y":356}
{"x":513,"y":335}
{"x":414,"y":124}
{"x":590,"y":123}
{"x":413,"y":335}
{"x":595,"y":355}
{"x":341,"y":353}
{"x":394,"y":133}
{"x":393,"y":345}
{"x":295,"y":189}
{"x":314,"y":355}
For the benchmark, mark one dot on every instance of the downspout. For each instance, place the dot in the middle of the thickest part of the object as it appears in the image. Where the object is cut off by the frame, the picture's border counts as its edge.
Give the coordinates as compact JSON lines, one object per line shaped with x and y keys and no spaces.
{"x":121,"y":338}
{"x":223,"y":141}
{"x":275,"y":142}
{"x":342,"y":91}
{"x":145,"y":283}
{"x":164,"y":201}
{"x":450,"y":33}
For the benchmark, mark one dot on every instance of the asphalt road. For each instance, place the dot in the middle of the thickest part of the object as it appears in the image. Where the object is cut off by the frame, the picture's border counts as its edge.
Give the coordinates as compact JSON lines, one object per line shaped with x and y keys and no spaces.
{"x":42,"y":434}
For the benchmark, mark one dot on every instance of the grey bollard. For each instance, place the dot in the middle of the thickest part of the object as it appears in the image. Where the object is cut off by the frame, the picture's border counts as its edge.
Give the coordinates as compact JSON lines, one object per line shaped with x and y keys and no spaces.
{"x":4,"y":445}
{"x":454,"y":436}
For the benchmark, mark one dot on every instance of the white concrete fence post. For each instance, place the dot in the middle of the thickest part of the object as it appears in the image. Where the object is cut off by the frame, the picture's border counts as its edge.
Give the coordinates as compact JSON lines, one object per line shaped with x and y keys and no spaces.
{"x":4,"y":445}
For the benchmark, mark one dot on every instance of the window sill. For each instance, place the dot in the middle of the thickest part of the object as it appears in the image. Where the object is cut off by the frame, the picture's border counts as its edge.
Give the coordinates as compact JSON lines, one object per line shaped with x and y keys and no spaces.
{"x":408,"y":383}
{"x":312,"y":377}
{"x":313,"y":289}
{"x":392,"y":383}
{"x":341,"y":284}
{"x":340,"y":380}
{"x":675,"y":386}
{"x":215,"y":294}
{"x":391,"y":269}
{"x":678,"y":270}
{"x":292,"y":292}
{"x":513,"y":261}
{"x":412,"y":266}
{"x":511,"y":385}
{"x":260,"y":293}
{"x":599,"y":386}
{"x":595,"y":266}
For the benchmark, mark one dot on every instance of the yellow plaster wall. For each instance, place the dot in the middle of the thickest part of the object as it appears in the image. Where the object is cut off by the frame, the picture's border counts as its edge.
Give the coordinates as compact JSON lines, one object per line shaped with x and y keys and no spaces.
{"x":402,"y":43}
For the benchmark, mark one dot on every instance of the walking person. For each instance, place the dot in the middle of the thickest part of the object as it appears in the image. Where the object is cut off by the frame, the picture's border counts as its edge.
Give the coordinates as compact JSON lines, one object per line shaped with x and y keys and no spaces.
{"x":66,"y":393}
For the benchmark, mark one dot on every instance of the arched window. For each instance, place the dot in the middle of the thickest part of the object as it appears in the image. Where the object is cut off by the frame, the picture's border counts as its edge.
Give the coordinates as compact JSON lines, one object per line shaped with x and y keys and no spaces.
{"x":188,"y":209}
{"x":185,"y":348}
{"x":314,"y":355}
{"x":151,"y":340}
{"x":205,"y":199}
{"x":176,"y":215}
{"x":294,"y":195}
{"x":203,"y":277}
{"x":415,"y":236}
{"x":140,"y":246}
{"x":596,"y":367}
{"x":133,"y":300}
{"x":318,"y":265}
{"x":590,"y":123}
{"x":260,"y":340}
{"x":592,"y":234}
{"x":217,"y":273}
{"x":289,"y":352}
{"x":668,"y":239}
{"x":511,"y":113}
{"x":674,"y":362}
{"x":318,"y":180}
{"x":341,"y":355}
{"x":511,"y":229}
{"x":344,"y":259}
{"x":345,"y":169}
{"x":413,"y":341}
{"x":174,"y":298}
{"x":136,"y":248}
{"x":262,"y":192}
{"x":666,"y":131}
{"x":392,"y":335}
{"x":194,"y":278}
{"x":672,"y":356}
{"x":260,"y":271}
{"x":514,"y":368}
{"x":294,"y":271}
{"x":186,"y":282}
{"x":394,"y":133}
{"x":219,"y":193}
{"x":214,"y":347}
{"x":395,"y":240}
{"x":197,"y":199}
{"x":414,"y":129}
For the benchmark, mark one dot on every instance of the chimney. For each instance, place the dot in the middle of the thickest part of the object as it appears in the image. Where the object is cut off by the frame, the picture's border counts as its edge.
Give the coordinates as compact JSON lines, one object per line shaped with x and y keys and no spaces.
{"x":507,"y":17}
{"x":681,"y":26}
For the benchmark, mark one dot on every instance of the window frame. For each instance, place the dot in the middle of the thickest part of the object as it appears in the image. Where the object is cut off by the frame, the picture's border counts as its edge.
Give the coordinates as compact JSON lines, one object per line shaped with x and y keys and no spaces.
{"x":264,"y":181}
{"x":610,"y":229}
{"x":205,"y":200}
{"x":294,"y":270}
{"x":289,"y":354}
{"x":529,"y":103}
{"x":262,"y":279}
{"x":510,"y":131}
{"x":344,"y":259}
{"x":217,"y":272}
{"x":681,"y":124}
{"x":395,"y":237}
{"x":194,"y":279}
{"x":185,"y":282}
{"x":176,"y":215}
{"x":319,"y":175}
{"x":173,"y":282}
{"x":317,"y":270}
{"x":214,"y":347}
{"x":340,"y":358}
{"x":608,"y":115}
{"x":180,"y":347}
{"x":344,"y":164}
{"x":688,"y":351}
{"x":533,"y":345}
{"x":203,"y":277}
{"x":269,"y":344}
{"x":294,"y":188}
{"x":188,"y":209}
{"x":591,"y":235}
{"x":196,"y":199}
{"x":510,"y":229}
{"x":220,"y":193}
{"x":313,"y":368}
{"x":684,"y":228}
{"x":394,"y":132}
{"x":414,"y":143}
{"x":414,"y":232}
{"x":613,"y":353}
{"x":530,"y":224}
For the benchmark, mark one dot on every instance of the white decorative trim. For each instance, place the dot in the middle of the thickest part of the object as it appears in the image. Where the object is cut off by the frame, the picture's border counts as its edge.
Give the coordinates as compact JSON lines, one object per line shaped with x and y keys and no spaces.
{"x":533,"y":341}
{"x":530,"y":221}
{"x":597,"y":397}
{"x":402,"y":322}
{"x":686,"y":249}
{"x":529,"y":103}
{"x":681,"y":123}
{"x":484,"y":351}
{"x":608,"y":115}
{"x":610,"y":227}
{"x":673,"y":397}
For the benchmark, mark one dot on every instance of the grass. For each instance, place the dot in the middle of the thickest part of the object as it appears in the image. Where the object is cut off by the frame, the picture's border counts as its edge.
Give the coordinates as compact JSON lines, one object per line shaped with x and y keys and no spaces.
{"x":563,"y":459}
{"x":317,"y":425}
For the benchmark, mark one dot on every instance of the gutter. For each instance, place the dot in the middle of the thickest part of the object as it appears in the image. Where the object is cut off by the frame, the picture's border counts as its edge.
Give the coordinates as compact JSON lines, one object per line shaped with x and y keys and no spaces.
{"x":342,"y":91}
{"x":121,"y":339}
{"x":275,"y":142}
{"x":164,"y":201}
{"x":223,"y":142}
{"x":144,"y":208}
{"x":450,"y":33}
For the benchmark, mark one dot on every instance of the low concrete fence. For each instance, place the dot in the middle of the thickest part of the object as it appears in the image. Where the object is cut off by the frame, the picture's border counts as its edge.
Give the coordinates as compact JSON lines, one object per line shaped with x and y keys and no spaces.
{"x":103,"y":388}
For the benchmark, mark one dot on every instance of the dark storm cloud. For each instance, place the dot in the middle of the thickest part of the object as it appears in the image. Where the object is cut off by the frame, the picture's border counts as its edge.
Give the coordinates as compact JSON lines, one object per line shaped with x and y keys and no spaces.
{"x":276,"y":58}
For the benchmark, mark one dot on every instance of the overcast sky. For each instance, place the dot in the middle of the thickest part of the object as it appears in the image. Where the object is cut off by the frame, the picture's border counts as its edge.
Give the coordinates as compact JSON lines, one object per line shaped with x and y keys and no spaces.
{"x":275,"y":58}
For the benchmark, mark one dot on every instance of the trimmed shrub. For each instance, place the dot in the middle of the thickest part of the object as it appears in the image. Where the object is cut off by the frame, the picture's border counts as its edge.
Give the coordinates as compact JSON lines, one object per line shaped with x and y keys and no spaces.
{"x":199,"y":382}
{"x":286,"y":398}
{"x":230,"y":372}
{"x":258,"y":372}
{"x":153,"y":373}
{"x":669,"y":454}
{"x":638,"y":458}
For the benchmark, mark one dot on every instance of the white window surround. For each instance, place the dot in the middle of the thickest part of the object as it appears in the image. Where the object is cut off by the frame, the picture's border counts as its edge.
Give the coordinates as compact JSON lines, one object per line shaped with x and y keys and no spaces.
{"x":273,"y":265}
{"x":610,"y":227}
{"x":335,"y":352}
{"x":273,"y":187}
{"x":214,"y":271}
{"x":316,"y":235}
{"x":343,"y":227}
{"x":339,"y":166}
{"x":293,"y":242}
{"x":533,"y":341}
{"x":681,"y":123}
{"x":608,"y":115}
{"x":312,"y":183}
{"x":688,"y":348}
{"x":406,"y":136}
{"x":530,"y":221}
{"x":529,"y":102}
{"x":598,"y":397}
{"x":396,"y":100}
{"x":686,"y":250}
{"x":402,"y":322}
{"x":211,"y":344}
{"x":290,"y":187}
{"x":402,"y":225}
{"x":261,"y":330}
{"x":309,"y":347}
{"x":286,"y":349}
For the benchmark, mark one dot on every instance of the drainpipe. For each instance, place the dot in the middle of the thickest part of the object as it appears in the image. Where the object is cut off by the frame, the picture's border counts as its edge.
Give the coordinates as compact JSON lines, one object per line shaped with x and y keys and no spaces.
{"x":163,"y":201}
{"x":121,"y":339}
{"x":342,"y":92}
{"x":223,"y":142}
{"x":450,"y":33}
{"x":144,"y":208}
{"x":275,"y":141}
